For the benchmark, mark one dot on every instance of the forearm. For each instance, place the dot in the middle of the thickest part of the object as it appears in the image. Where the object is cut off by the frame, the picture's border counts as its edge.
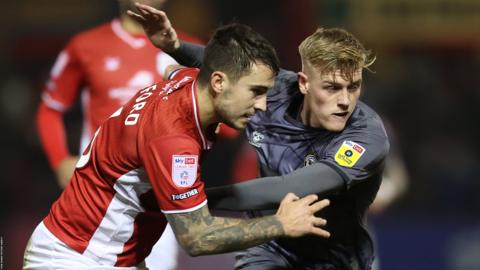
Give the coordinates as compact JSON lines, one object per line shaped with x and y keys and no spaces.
{"x":266,"y":193}
{"x":229,"y":234}
{"x":188,"y":54}
{"x":199,"y":233}
{"x":51,"y":130}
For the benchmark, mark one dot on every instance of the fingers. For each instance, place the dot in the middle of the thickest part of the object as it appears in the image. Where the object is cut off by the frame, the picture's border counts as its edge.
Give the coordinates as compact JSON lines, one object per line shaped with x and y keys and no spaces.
{"x":152,"y":12}
{"x":309,"y":199}
{"x":290,"y":197}
{"x":137,"y":17}
{"x":320,"y":232}
{"x":317,"y":206}
{"x":154,"y":19}
{"x":142,"y":10}
{"x":318,"y":222}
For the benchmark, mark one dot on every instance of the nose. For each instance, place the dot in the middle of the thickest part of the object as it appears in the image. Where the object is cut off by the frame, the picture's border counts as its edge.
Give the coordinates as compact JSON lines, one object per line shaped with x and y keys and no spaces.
{"x":261,"y":103}
{"x":344,"y":98}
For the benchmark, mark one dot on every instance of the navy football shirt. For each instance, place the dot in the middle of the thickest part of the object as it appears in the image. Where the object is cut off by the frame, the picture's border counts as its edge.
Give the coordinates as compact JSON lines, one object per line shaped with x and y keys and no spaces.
{"x":284,"y":144}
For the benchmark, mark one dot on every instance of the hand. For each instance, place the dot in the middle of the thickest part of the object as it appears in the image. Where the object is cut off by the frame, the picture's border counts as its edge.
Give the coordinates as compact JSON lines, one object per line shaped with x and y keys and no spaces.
{"x":65,"y":170}
{"x":297,"y":215}
{"x":157,"y":26}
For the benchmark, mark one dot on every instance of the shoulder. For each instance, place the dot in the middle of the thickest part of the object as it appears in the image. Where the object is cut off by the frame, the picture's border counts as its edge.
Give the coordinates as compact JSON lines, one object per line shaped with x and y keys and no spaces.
{"x":92,"y":37}
{"x":286,"y":84}
{"x":176,"y":143}
{"x":285,"y":78}
{"x":184,"y":74}
{"x":164,"y":151}
{"x":163,"y":148}
{"x":364,"y":136}
{"x":366,"y":121}
{"x":171,"y":110}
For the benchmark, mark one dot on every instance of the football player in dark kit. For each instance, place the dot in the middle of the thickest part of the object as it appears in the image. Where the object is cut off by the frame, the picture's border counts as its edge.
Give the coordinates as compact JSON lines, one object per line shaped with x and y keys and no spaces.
{"x":314,"y":137}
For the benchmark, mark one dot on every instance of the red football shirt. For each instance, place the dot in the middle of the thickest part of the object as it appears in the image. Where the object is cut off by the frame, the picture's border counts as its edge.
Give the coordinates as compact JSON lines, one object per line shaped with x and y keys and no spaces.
{"x":104,"y":66}
{"x":144,"y":160}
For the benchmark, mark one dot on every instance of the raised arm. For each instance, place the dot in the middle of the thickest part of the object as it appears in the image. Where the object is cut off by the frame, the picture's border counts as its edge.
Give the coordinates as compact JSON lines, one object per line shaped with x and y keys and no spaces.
{"x":157,"y":26}
{"x":199,"y":233}
{"x":267,"y":192}
{"x":159,"y":30}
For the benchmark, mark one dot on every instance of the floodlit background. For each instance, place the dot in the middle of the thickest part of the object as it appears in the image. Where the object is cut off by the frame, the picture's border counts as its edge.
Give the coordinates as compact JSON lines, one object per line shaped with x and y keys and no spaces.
{"x":426,"y":86}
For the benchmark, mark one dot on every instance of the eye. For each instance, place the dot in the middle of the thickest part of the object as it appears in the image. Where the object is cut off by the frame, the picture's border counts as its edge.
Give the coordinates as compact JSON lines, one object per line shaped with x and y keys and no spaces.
{"x":259,"y":91}
{"x":353,"y":87}
{"x":331,"y":87}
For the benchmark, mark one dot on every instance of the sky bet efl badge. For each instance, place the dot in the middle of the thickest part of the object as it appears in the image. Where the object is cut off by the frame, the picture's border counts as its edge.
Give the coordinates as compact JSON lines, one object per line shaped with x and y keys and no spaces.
{"x":349,"y":153}
{"x":184,"y":170}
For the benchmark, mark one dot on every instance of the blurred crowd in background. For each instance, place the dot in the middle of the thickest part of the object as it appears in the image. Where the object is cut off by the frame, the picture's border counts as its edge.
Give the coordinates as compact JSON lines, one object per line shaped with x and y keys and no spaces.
{"x":425,"y":84}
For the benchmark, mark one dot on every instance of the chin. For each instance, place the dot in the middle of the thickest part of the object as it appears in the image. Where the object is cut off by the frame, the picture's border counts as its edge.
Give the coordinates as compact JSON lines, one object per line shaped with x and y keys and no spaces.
{"x":236,"y":124}
{"x":240,"y":126}
{"x":336,"y":127}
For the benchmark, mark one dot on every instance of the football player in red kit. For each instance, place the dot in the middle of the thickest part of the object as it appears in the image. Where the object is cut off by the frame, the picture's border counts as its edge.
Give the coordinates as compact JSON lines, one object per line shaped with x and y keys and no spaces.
{"x":141,"y":169}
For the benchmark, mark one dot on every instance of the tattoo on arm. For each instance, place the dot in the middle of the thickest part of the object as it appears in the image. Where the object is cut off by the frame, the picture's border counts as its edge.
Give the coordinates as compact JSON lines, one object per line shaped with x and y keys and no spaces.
{"x":200,"y":233}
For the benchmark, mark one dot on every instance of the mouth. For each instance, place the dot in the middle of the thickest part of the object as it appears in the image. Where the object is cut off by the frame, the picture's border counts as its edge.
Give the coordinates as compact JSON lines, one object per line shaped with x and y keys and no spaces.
{"x":248,"y":116}
{"x":342,"y":115}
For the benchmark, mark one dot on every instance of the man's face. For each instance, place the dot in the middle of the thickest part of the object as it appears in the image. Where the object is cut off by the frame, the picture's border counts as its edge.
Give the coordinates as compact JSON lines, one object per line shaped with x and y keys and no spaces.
{"x":239,"y":100}
{"x":330,"y":98}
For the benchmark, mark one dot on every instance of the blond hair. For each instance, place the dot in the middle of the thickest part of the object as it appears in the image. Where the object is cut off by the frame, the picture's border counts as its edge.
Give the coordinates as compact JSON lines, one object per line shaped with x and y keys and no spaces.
{"x":331,"y":49}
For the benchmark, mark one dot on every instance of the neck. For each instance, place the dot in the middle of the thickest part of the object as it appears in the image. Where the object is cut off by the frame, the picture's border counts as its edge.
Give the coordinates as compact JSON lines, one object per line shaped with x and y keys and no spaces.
{"x":299,"y":113}
{"x":130,"y":25}
{"x":206,"y":107}
{"x":303,"y":115}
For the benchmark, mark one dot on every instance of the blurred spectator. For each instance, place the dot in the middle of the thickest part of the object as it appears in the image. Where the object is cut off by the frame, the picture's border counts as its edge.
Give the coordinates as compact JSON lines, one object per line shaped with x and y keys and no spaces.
{"x":395,"y":176}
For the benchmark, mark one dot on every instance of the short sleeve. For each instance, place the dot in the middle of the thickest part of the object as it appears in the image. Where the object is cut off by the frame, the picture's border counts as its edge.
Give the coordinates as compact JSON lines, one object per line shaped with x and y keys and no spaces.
{"x":180,"y":72}
{"x":65,"y":81}
{"x":172,"y":165}
{"x":358,"y":154}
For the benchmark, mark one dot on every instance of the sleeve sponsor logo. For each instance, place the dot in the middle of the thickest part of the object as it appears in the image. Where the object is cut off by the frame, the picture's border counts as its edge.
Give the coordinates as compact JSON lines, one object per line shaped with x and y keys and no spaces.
{"x":349,"y":153}
{"x":190,"y":160}
{"x":185,"y":195}
{"x":184,"y":170}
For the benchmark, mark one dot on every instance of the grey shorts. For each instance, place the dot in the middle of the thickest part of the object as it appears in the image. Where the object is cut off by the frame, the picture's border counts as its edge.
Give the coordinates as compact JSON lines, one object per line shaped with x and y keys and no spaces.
{"x":272,"y":256}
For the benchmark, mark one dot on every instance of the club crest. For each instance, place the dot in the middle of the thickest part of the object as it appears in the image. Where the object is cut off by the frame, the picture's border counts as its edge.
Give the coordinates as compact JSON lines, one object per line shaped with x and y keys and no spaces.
{"x":309,"y":160}
{"x":256,"y":139}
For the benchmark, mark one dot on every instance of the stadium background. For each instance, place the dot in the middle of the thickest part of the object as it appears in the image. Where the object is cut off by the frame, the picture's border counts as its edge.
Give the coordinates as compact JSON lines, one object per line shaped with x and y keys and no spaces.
{"x":426,"y":84}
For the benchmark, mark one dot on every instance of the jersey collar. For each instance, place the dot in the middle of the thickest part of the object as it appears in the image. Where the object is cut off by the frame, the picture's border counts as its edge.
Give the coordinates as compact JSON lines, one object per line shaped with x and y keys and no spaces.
{"x":126,"y":37}
{"x":206,"y":144}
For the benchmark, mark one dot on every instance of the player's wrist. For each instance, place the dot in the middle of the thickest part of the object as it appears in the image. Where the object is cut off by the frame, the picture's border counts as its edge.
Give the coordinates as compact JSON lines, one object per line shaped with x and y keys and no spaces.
{"x":171,"y":48}
{"x":176,"y":45}
{"x":285,"y":228}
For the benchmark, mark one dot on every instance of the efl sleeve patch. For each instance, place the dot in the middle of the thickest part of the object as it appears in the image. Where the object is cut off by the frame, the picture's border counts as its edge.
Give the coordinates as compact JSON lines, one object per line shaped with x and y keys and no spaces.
{"x":349,"y":153}
{"x":184,"y":170}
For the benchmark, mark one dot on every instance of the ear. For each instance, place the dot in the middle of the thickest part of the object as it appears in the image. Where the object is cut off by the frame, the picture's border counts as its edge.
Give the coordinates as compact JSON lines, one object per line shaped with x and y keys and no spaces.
{"x":218,"y":81}
{"x":303,"y":84}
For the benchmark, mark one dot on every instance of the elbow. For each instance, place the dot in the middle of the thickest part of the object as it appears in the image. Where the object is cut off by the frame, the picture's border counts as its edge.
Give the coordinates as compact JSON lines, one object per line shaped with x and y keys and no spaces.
{"x":194,"y":252}
{"x":191,"y":245}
